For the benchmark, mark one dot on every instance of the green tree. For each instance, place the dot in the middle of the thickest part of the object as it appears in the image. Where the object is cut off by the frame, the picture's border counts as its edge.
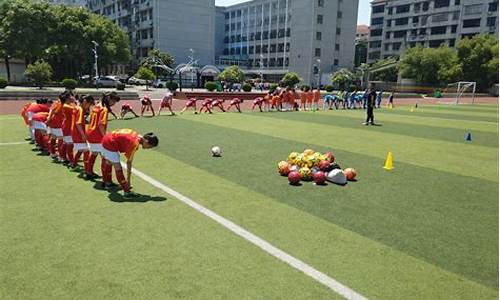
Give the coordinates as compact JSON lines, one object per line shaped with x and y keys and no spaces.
{"x":388,"y":75}
{"x":479,"y":56}
{"x":40,"y":72}
{"x":343,"y":78}
{"x":145,"y":74}
{"x":431,"y":65}
{"x":291,"y":79}
{"x":232,"y":74}
{"x":157,"y":60}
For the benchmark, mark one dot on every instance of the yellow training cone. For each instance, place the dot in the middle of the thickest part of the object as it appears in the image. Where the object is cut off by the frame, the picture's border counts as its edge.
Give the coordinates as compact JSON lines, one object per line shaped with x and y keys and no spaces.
{"x":412,"y":109}
{"x":388,"y":162}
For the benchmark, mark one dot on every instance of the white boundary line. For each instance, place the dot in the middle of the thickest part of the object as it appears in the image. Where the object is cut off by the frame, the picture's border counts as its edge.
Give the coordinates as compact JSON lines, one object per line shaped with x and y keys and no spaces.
{"x":13,"y":143}
{"x":257,"y":241}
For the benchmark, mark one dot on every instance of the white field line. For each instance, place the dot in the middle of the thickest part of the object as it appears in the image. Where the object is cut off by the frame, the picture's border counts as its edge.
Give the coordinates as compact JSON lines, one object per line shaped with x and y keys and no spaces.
{"x":257,"y":241}
{"x":13,"y":143}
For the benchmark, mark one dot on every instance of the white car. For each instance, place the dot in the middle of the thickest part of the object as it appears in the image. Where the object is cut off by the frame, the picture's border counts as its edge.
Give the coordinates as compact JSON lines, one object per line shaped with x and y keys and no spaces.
{"x":136,"y":81}
{"x":160,"y":83}
{"x":106,"y":81}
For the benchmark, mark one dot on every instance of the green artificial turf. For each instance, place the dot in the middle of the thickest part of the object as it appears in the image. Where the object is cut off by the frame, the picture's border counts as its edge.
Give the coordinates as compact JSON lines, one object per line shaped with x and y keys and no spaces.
{"x":427,"y":230}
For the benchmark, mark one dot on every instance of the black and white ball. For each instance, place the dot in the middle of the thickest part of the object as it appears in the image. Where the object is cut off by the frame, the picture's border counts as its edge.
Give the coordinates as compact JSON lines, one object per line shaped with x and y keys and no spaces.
{"x":216,"y":151}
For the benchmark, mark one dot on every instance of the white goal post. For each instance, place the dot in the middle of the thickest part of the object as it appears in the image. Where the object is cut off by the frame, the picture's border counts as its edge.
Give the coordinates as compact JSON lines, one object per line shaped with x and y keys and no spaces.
{"x":461,"y":88}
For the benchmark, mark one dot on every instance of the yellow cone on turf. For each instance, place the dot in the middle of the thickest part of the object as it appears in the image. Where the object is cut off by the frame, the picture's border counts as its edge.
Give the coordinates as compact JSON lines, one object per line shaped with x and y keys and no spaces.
{"x":388,"y":162}
{"x":412,"y":109}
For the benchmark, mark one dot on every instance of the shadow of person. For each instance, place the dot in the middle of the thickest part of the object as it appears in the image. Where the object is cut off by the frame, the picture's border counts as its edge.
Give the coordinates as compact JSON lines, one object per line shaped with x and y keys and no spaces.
{"x":114,"y":196}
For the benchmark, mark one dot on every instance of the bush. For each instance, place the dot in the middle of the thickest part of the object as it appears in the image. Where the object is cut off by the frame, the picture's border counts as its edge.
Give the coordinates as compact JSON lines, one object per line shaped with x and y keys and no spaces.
{"x":69,"y":84}
{"x":329,"y":88}
{"x":273,"y":87}
{"x":120,"y":86}
{"x":247,"y":87}
{"x":3,"y":83}
{"x":172,"y":86}
{"x":40,"y":72}
{"x":210,"y":86}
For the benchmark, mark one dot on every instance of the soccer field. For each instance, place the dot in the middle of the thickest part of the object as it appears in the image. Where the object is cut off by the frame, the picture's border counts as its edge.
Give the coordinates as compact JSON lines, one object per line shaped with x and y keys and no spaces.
{"x":426,"y":230}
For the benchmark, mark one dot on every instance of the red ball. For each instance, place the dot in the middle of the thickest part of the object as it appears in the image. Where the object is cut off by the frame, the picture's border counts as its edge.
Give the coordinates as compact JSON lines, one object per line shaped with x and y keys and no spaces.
{"x":319,"y":178}
{"x":323,"y":165}
{"x":330,"y":156}
{"x":294,"y":177}
{"x":350,"y":173}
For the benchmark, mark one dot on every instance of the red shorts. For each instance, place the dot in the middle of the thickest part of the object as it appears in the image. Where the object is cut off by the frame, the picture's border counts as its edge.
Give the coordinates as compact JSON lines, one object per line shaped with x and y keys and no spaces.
{"x":146,"y":102}
{"x":165,"y":103}
{"x":126,"y":107}
{"x":190,"y":103}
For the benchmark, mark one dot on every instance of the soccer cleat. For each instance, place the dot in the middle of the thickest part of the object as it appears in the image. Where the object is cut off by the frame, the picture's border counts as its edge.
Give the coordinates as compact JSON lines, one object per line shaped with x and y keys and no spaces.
{"x":110,"y":185}
{"x":91,"y":176}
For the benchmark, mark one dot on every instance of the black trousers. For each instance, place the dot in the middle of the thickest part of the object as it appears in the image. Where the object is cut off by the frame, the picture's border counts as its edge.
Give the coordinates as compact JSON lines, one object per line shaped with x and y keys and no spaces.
{"x":369,"y":114}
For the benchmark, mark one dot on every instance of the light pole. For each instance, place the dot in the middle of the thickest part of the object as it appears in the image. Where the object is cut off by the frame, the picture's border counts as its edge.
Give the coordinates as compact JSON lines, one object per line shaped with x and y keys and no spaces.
{"x":319,"y":72}
{"x":261,"y":65}
{"x":95,"y":64}
{"x":191,"y":62}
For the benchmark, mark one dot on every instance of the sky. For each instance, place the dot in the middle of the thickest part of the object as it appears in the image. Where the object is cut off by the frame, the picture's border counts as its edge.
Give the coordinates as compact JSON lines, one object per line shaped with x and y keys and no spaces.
{"x":363,"y":13}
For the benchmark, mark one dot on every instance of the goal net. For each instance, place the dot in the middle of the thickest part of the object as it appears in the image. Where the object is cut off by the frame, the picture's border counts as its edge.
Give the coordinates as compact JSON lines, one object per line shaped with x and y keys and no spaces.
{"x":460,"y":92}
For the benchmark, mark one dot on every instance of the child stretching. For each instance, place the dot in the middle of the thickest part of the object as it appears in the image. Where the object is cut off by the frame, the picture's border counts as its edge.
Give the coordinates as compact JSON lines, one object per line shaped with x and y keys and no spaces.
{"x":206,"y":105}
{"x":236,"y":103}
{"x":147,"y":105}
{"x":218,"y":103}
{"x":127,"y":108}
{"x":166,"y":102}
{"x":258,"y":102}
{"x":191,"y":103}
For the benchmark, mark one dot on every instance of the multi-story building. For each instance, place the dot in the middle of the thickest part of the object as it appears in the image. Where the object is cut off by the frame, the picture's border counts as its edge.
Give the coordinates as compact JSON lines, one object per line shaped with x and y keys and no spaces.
{"x":361,"y":48}
{"x":362,"y":33}
{"x":172,"y":26}
{"x":272,"y":37}
{"x":399,"y":24}
{"x":81,"y":3}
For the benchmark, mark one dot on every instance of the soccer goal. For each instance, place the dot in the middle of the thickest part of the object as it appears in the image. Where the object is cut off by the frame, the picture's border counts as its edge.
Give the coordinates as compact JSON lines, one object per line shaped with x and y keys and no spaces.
{"x":461,"y":90}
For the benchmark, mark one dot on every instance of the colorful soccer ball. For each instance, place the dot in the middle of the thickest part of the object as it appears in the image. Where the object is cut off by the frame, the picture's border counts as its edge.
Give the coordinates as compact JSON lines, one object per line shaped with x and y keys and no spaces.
{"x":294,"y":178}
{"x":308,"y":152}
{"x":300,"y":160}
{"x":350,"y":173}
{"x":324,"y":165}
{"x":293,"y":168}
{"x":305,"y":173}
{"x":315,"y":170}
{"x":283,"y":168}
{"x":312,"y":161}
{"x":292,"y":157}
{"x":319,"y":178}
{"x":216,"y":151}
{"x":330,"y":157}
{"x":318,"y":156}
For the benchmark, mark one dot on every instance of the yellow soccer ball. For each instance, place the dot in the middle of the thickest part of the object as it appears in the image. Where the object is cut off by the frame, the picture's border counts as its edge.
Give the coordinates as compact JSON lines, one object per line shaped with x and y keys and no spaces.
{"x":305,"y":173}
{"x":309,"y":152}
{"x":292,"y":157}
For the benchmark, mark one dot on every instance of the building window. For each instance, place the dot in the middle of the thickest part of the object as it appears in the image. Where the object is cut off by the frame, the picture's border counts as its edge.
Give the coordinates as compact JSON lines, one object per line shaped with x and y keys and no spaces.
{"x":320,"y":19}
{"x":377,"y":21}
{"x":493,"y":6}
{"x":472,"y":23}
{"x":317,"y":52}
{"x":386,"y":47}
{"x":454,"y":29}
{"x":401,"y":21}
{"x":436,"y":43}
{"x":388,"y":35}
{"x":400,"y":34}
{"x":338,"y":31}
{"x":336,"y":62}
{"x":389,"y":10}
{"x":339,"y":15}
{"x":473,"y":9}
{"x":425,"y":6}
{"x":491,"y":21}
{"x":378,"y":9}
{"x":440,"y":18}
{"x":321,"y":3}
{"x":375,"y":44}
{"x":452,"y":43}
{"x":441,"y":3}
{"x":318,"y":36}
{"x":403,"y":9}
{"x":457,"y":2}
{"x":337,"y":47}
{"x":423,"y":31}
{"x":376,"y":32}
{"x":374,"y":55}
{"x":250,"y":50}
{"x":388,"y":23}
{"x":416,"y":7}
{"x":438,"y":30}
{"x":396,"y":46}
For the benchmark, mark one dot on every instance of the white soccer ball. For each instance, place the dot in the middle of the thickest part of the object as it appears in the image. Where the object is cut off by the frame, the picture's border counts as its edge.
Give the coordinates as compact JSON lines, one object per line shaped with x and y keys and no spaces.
{"x":216,"y":151}
{"x":336,"y":176}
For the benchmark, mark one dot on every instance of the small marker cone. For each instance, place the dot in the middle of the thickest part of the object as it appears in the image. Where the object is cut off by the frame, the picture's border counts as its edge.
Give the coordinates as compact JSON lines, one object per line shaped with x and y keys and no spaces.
{"x":412,"y":109}
{"x":388,"y":162}
{"x":468,"y":137}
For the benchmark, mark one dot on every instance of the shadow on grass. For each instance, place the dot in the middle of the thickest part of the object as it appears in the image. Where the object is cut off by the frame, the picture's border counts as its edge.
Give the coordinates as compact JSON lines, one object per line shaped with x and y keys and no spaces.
{"x":115,"y":196}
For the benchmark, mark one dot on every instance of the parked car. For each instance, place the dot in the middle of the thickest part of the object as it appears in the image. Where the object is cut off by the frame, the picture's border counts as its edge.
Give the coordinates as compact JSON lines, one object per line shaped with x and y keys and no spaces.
{"x":136,"y":81}
{"x":160,"y":83}
{"x":106,"y":81}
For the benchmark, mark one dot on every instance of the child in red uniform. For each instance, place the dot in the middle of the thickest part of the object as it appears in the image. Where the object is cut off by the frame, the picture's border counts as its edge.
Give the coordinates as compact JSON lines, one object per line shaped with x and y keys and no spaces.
{"x":147,"y":105}
{"x":218,"y":103}
{"x":78,"y":131}
{"x":96,"y":130}
{"x":24,"y":115}
{"x":54,"y":123}
{"x":236,"y":103}
{"x":258,"y":102}
{"x":123,"y":141}
{"x":206,"y":105}
{"x":127,"y":108}
{"x":38,"y":123}
{"x":316,"y":97}
{"x":41,"y":105}
{"x":303,"y":99}
{"x":166,"y":102}
{"x":68,"y":110}
{"x":191,"y":103}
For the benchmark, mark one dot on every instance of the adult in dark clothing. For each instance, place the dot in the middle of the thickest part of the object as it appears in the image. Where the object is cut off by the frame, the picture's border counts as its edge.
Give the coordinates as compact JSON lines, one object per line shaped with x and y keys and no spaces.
{"x":370,"y":105}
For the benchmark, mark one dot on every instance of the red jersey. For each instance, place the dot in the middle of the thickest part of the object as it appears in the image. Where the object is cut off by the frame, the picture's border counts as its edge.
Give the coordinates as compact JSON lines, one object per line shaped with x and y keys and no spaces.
{"x":40,"y":117}
{"x":78,"y":121}
{"x":36,"y":108}
{"x":24,"y":113}
{"x":123,"y":140}
{"x":57,"y":115}
{"x":69,"y":114}
{"x":98,"y":116}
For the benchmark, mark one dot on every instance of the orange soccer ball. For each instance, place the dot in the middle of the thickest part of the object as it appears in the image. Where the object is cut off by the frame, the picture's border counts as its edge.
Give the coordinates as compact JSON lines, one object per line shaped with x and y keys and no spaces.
{"x":350,"y":174}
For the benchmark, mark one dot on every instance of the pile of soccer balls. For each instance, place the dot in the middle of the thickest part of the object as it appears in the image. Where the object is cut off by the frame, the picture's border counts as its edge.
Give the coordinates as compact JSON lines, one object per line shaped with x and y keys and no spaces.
{"x":314,"y":166}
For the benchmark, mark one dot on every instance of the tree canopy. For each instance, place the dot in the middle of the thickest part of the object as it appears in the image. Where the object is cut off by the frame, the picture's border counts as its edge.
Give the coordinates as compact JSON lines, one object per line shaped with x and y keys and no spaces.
{"x":40,"y":72}
{"x":61,"y":35}
{"x":232,"y":74}
{"x":156,"y":57}
{"x":291,"y":79}
{"x":343,"y":78}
